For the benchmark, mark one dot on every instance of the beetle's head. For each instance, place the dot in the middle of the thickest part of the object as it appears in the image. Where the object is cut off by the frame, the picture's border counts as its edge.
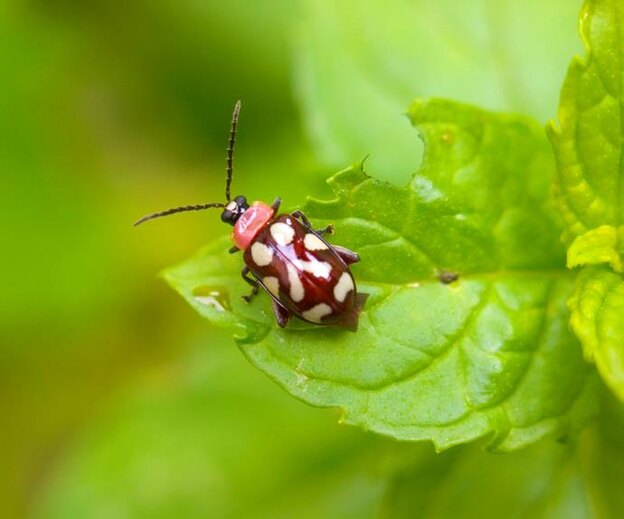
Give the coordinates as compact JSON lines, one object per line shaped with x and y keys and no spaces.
{"x":234,"y":209}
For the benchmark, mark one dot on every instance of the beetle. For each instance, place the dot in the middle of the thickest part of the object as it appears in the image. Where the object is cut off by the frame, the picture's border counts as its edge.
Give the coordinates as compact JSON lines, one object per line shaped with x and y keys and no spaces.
{"x":304,"y":275}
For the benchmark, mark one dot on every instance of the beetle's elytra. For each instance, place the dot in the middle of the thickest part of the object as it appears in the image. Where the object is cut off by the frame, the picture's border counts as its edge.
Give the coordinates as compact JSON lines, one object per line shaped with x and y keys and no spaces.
{"x":304,"y":275}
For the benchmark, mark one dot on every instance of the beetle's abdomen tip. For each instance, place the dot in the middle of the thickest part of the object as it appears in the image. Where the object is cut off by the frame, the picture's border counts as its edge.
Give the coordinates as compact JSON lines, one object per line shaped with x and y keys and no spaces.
{"x":350,"y":319}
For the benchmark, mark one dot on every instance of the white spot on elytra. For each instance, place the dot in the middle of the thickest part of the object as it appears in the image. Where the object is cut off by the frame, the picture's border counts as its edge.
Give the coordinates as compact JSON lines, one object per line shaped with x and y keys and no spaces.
{"x":261,"y":254}
{"x":343,"y":287}
{"x":296,"y":287}
{"x":272,"y":284}
{"x":313,"y":242}
{"x":320,"y":269}
{"x":317,"y":312}
{"x":283,"y":234}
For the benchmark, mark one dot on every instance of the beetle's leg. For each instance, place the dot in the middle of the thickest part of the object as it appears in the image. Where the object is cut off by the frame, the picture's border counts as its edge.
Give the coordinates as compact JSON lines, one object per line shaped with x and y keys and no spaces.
{"x":234,"y":249}
{"x":254,"y":284}
{"x":329,"y":229}
{"x":276,"y":204}
{"x":282,"y":314}
{"x":346,"y":255}
{"x":304,"y":219}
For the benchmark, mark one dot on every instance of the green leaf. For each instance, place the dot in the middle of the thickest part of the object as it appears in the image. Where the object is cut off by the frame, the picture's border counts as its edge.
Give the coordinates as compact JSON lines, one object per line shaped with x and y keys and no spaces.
{"x":597,"y":307}
{"x":378,"y":56}
{"x":600,"y":245}
{"x":588,"y":144}
{"x":431,"y":361}
{"x":589,"y":185}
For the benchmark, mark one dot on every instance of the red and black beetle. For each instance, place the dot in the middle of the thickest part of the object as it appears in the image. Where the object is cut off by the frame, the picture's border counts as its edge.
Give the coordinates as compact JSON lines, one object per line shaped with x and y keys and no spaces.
{"x":304,"y":275}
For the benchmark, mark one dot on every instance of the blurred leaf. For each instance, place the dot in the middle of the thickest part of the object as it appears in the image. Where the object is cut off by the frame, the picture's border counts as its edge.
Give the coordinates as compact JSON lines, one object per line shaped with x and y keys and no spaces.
{"x":597,"y":307}
{"x":578,"y":480}
{"x":48,"y":214}
{"x":602,"y":456}
{"x":588,"y":143}
{"x":541,"y":481}
{"x":178,"y":67}
{"x":108,"y":108}
{"x":373,"y":58}
{"x":444,"y":362}
{"x":211,"y":438}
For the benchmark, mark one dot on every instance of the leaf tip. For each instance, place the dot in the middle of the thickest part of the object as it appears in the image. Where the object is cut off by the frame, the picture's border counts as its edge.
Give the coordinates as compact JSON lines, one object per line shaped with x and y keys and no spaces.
{"x":348,"y":178}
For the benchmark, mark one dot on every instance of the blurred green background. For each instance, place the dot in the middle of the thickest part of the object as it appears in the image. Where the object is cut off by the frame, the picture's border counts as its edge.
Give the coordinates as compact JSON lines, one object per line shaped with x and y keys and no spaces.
{"x":117,"y":400}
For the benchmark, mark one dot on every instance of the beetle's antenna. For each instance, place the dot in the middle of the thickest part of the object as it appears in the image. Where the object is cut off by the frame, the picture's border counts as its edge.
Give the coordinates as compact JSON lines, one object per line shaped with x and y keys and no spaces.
{"x":175,"y":210}
{"x":230,"y":149}
{"x":228,"y":178}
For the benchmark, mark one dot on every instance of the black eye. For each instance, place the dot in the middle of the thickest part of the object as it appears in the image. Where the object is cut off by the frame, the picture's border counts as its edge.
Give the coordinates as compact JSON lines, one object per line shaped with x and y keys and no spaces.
{"x":241,"y":202}
{"x":229,"y":217}
{"x":234,"y":210}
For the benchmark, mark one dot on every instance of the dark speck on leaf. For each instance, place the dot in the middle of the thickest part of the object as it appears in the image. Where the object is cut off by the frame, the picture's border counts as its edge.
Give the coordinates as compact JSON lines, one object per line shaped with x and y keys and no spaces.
{"x":447,"y":277}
